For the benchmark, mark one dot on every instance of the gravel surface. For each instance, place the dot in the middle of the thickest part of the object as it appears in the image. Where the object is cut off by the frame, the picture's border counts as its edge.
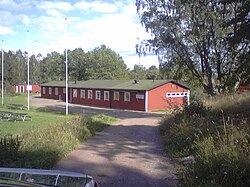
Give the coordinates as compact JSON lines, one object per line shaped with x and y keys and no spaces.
{"x":129,"y":153}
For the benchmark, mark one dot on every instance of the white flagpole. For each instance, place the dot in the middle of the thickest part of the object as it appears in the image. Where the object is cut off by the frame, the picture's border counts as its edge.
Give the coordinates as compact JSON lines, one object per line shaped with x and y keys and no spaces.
{"x":66,"y":71}
{"x":2,"y":71}
{"x":28,"y":71}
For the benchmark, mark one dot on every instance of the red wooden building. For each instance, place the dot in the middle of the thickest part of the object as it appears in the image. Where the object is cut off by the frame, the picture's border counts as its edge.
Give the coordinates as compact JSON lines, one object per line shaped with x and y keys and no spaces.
{"x":23,"y":88}
{"x":143,"y":95}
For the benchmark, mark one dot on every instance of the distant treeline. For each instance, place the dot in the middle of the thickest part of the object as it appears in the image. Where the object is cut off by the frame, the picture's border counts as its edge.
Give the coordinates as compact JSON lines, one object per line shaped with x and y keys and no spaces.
{"x":100,"y":63}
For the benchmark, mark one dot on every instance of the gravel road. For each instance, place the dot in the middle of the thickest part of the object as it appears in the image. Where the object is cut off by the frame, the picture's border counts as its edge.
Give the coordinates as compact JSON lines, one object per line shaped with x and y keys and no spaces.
{"x":128,"y":153}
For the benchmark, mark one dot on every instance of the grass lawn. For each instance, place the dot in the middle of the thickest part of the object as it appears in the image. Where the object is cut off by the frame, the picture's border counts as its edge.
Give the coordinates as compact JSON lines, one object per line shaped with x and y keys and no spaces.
{"x":50,"y":135}
{"x":40,"y":119}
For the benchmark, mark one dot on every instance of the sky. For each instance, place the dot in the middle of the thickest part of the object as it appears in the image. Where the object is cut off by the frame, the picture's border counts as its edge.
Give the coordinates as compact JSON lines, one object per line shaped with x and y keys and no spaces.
{"x":89,"y":24}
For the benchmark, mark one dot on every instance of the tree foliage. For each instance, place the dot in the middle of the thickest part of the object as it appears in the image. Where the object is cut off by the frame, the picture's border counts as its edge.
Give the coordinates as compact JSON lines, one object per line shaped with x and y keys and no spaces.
{"x":101,"y":63}
{"x":195,"y":34}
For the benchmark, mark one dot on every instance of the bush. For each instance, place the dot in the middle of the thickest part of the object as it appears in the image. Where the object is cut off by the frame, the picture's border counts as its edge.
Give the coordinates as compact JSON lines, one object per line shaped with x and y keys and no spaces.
{"x":217,"y":135}
{"x":43,"y":148}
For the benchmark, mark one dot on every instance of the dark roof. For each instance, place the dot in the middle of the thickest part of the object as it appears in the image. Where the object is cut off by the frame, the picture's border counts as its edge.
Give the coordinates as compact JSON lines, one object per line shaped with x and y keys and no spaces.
{"x":114,"y":84}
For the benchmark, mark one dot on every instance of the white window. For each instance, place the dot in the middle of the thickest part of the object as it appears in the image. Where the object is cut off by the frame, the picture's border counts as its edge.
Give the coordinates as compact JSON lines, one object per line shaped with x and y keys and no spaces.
{"x":126,"y":96}
{"x":83,"y":94}
{"x":64,"y":90}
{"x":98,"y":95}
{"x":116,"y":96}
{"x":44,"y":90}
{"x":89,"y":94}
{"x":56,"y":91}
{"x":74,"y":92}
{"x":106,"y":95}
{"x":50,"y":90}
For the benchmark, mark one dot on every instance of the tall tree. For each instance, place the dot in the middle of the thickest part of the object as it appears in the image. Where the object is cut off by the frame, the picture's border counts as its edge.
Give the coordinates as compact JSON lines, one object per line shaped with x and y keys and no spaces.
{"x":35,"y":70}
{"x":77,"y":68}
{"x":240,"y":34}
{"x":193,"y":32}
{"x":139,"y":72}
{"x":104,"y":63}
{"x":53,"y":67}
{"x":153,"y":73}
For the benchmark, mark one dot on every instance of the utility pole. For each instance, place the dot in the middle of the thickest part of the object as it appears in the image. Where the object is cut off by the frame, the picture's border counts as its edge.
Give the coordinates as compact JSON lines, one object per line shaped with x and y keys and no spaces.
{"x":2,"y":71}
{"x":28,"y":71}
{"x":66,"y":71}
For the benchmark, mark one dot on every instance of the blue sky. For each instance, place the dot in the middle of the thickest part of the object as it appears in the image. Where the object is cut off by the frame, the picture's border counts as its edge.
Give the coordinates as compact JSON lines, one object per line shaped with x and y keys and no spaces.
{"x":89,"y":24}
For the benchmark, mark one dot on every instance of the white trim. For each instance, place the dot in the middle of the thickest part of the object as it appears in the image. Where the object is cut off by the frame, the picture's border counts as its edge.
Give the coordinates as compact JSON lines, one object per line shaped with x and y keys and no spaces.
{"x":146,"y":101}
{"x":75,"y":93}
{"x":125,"y":99}
{"x":56,"y":91}
{"x":90,"y":94}
{"x":82,"y":94}
{"x":106,"y":99}
{"x":97,"y":93}
{"x":22,"y":89}
{"x":188,"y":96}
{"x":118,"y":94}
{"x":177,"y":94}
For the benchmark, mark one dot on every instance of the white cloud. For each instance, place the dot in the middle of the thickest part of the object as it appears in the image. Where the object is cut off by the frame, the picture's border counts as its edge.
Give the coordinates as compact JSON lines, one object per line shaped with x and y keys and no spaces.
{"x":7,"y":18}
{"x":116,"y":30}
{"x":54,"y":13}
{"x":59,"y":5}
{"x":9,"y":4}
{"x":6,"y":30}
{"x":25,"y":19}
{"x":96,"y":6}
{"x":114,"y":24}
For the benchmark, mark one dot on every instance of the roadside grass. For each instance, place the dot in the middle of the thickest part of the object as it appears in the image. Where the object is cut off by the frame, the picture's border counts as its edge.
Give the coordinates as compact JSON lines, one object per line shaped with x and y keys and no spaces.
{"x":216,"y":133}
{"x":50,"y":135}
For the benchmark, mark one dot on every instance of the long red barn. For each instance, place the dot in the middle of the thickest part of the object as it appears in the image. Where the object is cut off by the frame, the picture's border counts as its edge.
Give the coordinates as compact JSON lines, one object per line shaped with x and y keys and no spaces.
{"x":143,"y":95}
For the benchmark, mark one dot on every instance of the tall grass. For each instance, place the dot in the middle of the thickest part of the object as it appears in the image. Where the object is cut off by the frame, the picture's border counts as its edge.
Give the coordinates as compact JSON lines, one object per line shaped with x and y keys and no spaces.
{"x":43,"y":148}
{"x":217,"y":134}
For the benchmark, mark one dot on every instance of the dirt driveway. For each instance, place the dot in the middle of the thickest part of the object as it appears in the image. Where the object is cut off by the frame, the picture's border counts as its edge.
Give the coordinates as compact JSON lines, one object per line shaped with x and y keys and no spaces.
{"x":128,"y":153}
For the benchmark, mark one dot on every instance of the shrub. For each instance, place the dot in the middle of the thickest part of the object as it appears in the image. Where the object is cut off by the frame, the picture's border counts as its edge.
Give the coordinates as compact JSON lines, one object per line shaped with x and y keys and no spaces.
{"x":43,"y":148}
{"x":217,"y":135}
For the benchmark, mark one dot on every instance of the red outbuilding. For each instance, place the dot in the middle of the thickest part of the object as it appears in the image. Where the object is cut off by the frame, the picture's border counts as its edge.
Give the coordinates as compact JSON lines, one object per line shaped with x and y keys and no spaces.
{"x":143,"y":95}
{"x":23,"y":88}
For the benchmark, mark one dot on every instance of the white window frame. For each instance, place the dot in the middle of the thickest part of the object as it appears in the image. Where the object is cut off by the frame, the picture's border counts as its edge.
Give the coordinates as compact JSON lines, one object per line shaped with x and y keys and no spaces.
{"x":56,"y":91}
{"x":116,"y":96}
{"x":75,"y":93}
{"x":106,"y":93}
{"x":50,"y":91}
{"x":44,"y":90}
{"x":90,"y":94}
{"x":98,"y":95}
{"x":83,"y":94}
{"x":125,"y":96}
{"x":64,"y":90}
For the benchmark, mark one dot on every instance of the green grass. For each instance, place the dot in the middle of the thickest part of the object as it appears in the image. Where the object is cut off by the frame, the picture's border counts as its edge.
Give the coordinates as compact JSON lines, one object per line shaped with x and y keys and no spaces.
{"x":40,"y":118}
{"x":217,"y":133}
{"x":50,"y":135}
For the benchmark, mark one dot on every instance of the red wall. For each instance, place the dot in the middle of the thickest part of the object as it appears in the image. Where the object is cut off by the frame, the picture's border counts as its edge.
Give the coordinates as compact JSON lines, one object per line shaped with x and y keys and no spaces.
{"x":35,"y":88}
{"x":244,"y":88}
{"x":133,"y":104}
{"x":157,"y":97}
{"x":52,"y":95}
